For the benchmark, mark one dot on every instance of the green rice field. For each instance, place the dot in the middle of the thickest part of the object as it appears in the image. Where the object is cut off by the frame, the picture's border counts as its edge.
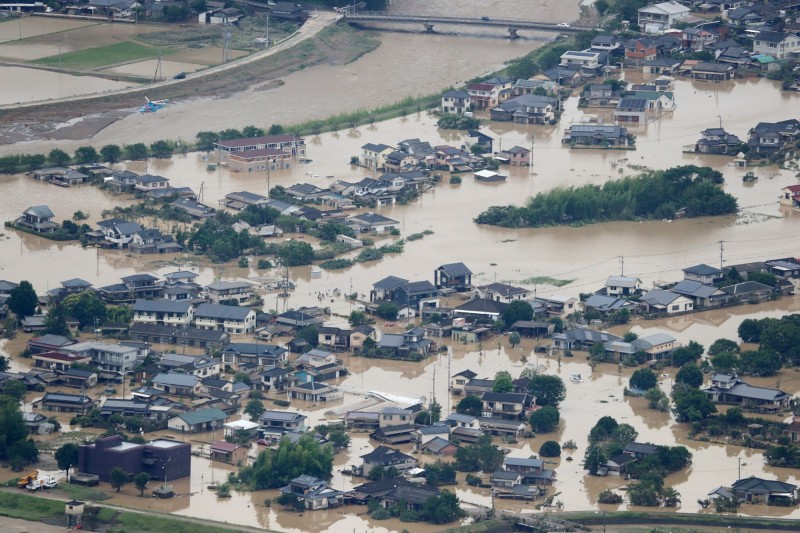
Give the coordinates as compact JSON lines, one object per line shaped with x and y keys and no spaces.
{"x":103,"y":56}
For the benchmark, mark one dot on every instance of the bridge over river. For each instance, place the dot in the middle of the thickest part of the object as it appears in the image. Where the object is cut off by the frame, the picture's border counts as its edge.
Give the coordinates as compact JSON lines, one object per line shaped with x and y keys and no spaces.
{"x":429,"y":23}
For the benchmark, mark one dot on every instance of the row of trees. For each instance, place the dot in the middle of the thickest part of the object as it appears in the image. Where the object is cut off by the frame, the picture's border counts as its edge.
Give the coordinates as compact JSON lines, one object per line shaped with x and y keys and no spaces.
{"x":693,"y":191}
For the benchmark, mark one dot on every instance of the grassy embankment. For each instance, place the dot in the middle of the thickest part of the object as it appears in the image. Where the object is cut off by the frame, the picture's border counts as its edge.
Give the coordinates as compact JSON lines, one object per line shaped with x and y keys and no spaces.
{"x":26,"y":507}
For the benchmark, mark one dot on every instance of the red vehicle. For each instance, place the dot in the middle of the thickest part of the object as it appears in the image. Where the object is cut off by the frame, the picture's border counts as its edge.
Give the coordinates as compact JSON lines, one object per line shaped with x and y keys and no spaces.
{"x":262,"y":442}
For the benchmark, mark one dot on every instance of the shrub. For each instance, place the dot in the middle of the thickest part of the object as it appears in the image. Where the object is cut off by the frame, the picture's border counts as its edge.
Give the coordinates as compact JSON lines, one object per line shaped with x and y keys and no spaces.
{"x":550,"y":448}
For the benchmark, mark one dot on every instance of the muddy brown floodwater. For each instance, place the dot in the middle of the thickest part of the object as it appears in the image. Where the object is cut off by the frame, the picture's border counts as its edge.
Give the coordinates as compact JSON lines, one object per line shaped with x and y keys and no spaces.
{"x":653,"y":251}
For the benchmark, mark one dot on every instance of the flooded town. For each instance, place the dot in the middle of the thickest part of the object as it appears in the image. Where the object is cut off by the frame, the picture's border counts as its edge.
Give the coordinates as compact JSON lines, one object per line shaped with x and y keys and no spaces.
{"x":400,"y":265}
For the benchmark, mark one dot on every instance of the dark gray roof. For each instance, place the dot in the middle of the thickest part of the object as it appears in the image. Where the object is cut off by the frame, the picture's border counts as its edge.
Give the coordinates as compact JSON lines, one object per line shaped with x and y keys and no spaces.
{"x":505,"y":397}
{"x":703,"y":269}
{"x":161,"y":306}
{"x":755,"y":484}
{"x":712,"y":67}
{"x":41,"y":211}
{"x":455,"y":93}
{"x":390,"y":283}
{"x":373,"y":219}
{"x":746,"y":287}
{"x":420,"y":286}
{"x":659,"y":297}
{"x":384,"y":454}
{"x":487,"y":306}
{"x":632,"y":104}
{"x":177,"y":380}
{"x":140,"y":277}
{"x":694,"y":288}
{"x":452,"y":270}
{"x":224,"y":312}
{"x":75,"y":283}
{"x":770,"y":36}
{"x":641,"y":448}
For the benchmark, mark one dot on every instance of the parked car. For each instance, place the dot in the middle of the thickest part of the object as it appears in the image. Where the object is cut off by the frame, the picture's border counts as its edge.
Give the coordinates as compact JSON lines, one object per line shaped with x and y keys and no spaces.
{"x":180,"y":76}
{"x":262,"y":442}
{"x":562,"y":25}
{"x":486,"y":18}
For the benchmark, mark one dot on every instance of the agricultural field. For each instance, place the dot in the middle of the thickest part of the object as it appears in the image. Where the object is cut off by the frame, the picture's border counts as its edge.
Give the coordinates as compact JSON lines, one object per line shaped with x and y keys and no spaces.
{"x":103,"y":56}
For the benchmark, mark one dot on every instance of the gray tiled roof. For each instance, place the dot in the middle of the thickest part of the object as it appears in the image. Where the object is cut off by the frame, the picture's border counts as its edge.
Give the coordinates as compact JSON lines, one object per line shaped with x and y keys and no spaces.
{"x":224,"y":312}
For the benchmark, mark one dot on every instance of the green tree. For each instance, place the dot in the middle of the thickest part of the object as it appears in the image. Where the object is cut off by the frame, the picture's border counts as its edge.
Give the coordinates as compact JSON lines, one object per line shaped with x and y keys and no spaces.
{"x":725,"y":362}
{"x":690,"y":375}
{"x":643,"y":379}
{"x":601,"y":6}
{"x":4,"y":364}
{"x":750,"y":330}
{"x":387,"y":311}
{"x":67,"y":457}
{"x":135,"y":152}
{"x":296,"y":253}
{"x":723,"y":346}
{"x":357,"y":318}
{"x":206,"y":139}
{"x":548,"y":390}
{"x":161,"y":149}
{"x":254,"y":409}
{"x":470,"y":405}
{"x":276,"y":129}
{"x":274,"y":468}
{"x":86,"y":155}
{"x":339,"y":438}
{"x":762,"y":362}
{"x":691,"y":405}
{"x":58,"y":158}
{"x":87,"y":307}
{"x":119,"y":477}
{"x":22,"y":300}
{"x":550,"y":448}
{"x":252,"y":131}
{"x":545,"y":420}
{"x":14,"y":389}
{"x":483,"y":455}
{"x":515,"y":311}
{"x":175,"y":13}
{"x":595,"y":458}
{"x":603,"y":429}
{"x":514,"y":339}
{"x":309,"y":334}
{"x":502,"y":382}
{"x":687,"y":354}
{"x":141,"y":480}
{"x":121,"y":314}
{"x":111,"y":153}
{"x":56,"y":321}
{"x":442,"y":508}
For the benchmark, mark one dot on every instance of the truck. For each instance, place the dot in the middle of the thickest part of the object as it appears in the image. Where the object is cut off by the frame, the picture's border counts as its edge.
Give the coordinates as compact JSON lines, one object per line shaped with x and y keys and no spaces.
{"x":26,"y":480}
{"x":46,"y":482}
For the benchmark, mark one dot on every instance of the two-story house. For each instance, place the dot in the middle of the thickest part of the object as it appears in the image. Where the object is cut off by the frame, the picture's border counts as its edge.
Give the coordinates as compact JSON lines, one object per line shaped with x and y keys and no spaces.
{"x":622,"y":285}
{"x":237,"y":354}
{"x":275,"y":424}
{"x":119,"y":232}
{"x":729,"y":389}
{"x":505,"y":405}
{"x":663,"y":16}
{"x":108,"y":357}
{"x":527,"y":109}
{"x":38,"y":218}
{"x":766,"y":138}
{"x":227,"y":318}
{"x":776,"y":44}
{"x":149,"y":182}
{"x":240,"y":292}
{"x":385,"y":457}
{"x":163,"y":312}
{"x":177,"y":384}
{"x":456,"y":102}
{"x":296,"y":146}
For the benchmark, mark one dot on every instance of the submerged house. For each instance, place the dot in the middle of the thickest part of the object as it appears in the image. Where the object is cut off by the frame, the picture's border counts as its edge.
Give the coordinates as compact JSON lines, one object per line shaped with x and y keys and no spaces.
{"x":729,"y":389}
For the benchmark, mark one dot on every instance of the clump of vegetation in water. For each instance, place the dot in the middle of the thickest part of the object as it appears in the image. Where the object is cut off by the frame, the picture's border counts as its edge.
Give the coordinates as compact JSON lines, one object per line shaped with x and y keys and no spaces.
{"x":689,"y":191}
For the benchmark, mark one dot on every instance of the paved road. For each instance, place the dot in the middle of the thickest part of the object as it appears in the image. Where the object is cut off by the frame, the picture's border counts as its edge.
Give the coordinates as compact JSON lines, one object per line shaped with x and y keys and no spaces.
{"x":313,"y":26}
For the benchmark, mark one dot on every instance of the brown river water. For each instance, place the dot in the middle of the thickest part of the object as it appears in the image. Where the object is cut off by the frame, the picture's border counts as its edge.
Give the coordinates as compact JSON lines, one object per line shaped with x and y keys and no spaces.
{"x":653,"y":251}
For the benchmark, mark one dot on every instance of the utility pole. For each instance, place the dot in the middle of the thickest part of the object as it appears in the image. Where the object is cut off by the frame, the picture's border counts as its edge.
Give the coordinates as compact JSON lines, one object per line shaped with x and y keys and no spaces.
{"x":740,"y":467}
{"x":622,"y":265}
{"x":721,"y":250}
{"x":530,"y":163}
